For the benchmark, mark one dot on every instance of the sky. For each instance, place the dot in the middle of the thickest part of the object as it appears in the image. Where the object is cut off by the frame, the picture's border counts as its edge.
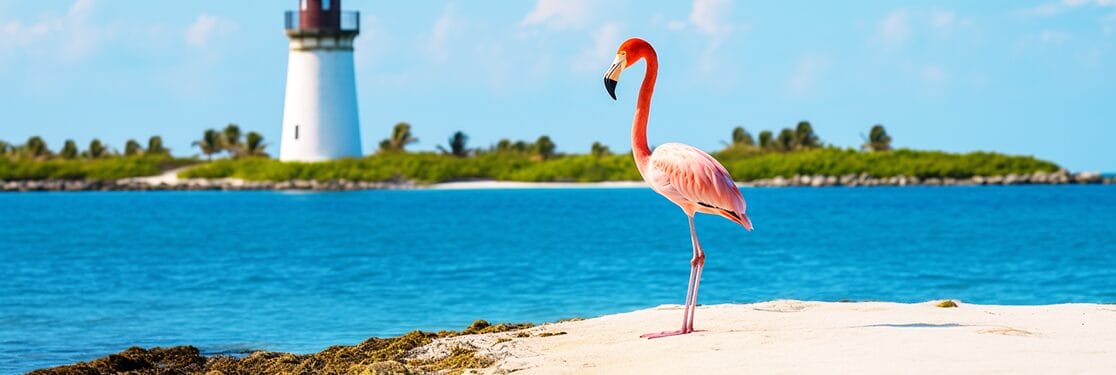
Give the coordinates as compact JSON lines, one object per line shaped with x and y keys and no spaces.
{"x":1021,"y":77}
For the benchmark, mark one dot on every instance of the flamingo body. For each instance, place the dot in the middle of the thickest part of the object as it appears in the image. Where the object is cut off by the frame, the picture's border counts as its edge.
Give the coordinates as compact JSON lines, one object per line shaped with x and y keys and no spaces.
{"x":696,"y":182}
{"x":685,"y":175}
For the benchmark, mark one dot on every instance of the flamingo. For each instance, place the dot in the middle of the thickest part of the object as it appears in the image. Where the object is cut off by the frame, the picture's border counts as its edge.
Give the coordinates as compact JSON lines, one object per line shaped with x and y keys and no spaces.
{"x":681,"y":173}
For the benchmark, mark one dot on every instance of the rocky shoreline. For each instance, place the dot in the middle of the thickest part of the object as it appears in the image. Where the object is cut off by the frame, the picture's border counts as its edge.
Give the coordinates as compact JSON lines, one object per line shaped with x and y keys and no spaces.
{"x":198,"y":185}
{"x":852,"y":180}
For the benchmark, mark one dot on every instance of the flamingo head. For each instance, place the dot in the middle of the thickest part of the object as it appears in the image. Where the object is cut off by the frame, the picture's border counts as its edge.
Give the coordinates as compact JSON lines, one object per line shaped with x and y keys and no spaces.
{"x":612,"y":76}
{"x":629,"y":52}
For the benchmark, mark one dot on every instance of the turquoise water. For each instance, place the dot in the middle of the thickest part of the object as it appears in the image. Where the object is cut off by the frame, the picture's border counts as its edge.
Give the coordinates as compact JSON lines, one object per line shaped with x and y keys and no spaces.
{"x":87,"y":274}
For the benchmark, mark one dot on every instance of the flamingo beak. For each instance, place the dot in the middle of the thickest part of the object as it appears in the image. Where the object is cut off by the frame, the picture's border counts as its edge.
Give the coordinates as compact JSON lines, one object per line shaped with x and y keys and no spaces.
{"x":612,"y":76}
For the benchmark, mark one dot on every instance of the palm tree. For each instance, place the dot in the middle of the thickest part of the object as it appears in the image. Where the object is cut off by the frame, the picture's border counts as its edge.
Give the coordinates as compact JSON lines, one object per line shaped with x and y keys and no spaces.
{"x":878,"y":139}
{"x":96,"y":149}
{"x":545,"y":147}
{"x":503,"y":145}
{"x":786,"y":140}
{"x":69,"y":150}
{"x":457,"y":145}
{"x":231,"y":139}
{"x":155,"y":146}
{"x":804,"y":136}
{"x":765,"y":139}
{"x":400,"y":138}
{"x":255,"y":145}
{"x":132,"y":148}
{"x":598,"y":149}
{"x":36,"y":147}
{"x":210,"y":143}
{"x":741,"y":137}
{"x":5,"y":148}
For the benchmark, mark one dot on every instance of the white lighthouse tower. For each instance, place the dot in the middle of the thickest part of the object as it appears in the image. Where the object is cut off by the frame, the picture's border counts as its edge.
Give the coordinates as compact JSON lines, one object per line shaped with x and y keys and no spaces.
{"x":320,"y":119}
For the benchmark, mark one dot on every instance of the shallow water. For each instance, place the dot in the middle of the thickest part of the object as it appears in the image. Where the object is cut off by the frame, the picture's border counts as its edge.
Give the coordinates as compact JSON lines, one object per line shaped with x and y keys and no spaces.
{"x":87,"y":274}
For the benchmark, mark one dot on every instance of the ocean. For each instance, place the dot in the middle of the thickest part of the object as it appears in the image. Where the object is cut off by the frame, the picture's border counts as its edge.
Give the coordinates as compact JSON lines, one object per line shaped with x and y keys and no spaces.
{"x":83,"y":275}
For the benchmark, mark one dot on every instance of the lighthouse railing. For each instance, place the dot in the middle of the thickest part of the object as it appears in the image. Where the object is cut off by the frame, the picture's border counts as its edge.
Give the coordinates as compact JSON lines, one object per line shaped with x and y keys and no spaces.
{"x":350,"y":21}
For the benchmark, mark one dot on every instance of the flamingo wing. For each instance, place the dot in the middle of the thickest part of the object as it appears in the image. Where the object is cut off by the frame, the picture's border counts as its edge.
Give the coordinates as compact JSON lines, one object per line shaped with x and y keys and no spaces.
{"x":696,"y":181}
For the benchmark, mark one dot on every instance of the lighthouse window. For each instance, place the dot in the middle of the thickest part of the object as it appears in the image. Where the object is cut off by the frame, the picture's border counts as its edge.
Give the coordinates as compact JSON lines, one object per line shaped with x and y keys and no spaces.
{"x":326,"y":4}
{"x":303,"y":4}
{"x":296,"y":131}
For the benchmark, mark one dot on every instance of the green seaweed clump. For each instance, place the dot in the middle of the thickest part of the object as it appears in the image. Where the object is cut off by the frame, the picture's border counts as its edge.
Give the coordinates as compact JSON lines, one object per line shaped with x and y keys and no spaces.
{"x":947,"y":303}
{"x":373,"y":356}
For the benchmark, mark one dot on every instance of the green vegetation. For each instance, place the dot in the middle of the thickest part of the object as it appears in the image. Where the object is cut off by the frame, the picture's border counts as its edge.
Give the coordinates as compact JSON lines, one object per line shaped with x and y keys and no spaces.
{"x":832,"y":161}
{"x":797,"y":151}
{"x":744,"y":165}
{"x":428,"y":167}
{"x":104,"y":168}
{"x":786,"y":153}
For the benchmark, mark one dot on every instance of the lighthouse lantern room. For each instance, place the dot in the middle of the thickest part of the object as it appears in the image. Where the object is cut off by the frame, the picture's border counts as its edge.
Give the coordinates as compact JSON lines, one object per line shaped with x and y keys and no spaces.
{"x":320,"y":119}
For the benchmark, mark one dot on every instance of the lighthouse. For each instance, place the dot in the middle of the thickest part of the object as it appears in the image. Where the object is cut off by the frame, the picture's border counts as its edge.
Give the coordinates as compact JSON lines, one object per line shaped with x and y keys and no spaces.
{"x":320,"y":119}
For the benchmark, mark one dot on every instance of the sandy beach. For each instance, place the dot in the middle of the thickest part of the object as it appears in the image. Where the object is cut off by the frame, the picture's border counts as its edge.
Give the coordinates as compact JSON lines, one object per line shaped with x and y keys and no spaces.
{"x":795,"y":337}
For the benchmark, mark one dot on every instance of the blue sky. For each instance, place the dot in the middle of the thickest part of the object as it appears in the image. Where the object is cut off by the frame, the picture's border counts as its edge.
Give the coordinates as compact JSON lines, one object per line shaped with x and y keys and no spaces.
{"x":1023,"y":77}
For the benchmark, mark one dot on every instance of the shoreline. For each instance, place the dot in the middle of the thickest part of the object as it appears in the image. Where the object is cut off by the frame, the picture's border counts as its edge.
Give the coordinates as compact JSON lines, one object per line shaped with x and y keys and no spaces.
{"x":765,"y":337}
{"x":169,"y":181}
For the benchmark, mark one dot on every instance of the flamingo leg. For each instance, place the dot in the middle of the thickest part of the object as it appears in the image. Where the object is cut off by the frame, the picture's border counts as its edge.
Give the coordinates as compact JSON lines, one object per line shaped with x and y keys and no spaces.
{"x":696,"y":264}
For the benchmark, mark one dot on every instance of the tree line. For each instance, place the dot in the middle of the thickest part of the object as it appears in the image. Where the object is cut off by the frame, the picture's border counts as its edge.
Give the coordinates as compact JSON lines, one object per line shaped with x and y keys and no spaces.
{"x":234,"y":144}
{"x":802,"y":137}
{"x":542,"y":148}
{"x":228,"y":140}
{"x":36,"y":148}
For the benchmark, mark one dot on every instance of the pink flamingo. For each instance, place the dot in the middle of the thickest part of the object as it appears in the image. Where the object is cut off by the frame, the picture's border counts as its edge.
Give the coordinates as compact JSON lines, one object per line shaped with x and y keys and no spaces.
{"x":685,"y":175}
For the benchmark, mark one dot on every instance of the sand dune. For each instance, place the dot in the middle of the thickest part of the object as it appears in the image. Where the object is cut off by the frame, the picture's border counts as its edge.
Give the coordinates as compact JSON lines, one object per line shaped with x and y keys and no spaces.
{"x":796,"y":337}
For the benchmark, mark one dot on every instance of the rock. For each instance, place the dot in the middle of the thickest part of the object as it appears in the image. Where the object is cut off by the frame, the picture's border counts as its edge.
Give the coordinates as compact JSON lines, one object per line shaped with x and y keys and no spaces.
{"x":1087,"y":177}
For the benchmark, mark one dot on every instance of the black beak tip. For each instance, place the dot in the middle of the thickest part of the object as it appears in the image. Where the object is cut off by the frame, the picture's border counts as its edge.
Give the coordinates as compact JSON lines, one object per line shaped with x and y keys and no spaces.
{"x":610,"y":85}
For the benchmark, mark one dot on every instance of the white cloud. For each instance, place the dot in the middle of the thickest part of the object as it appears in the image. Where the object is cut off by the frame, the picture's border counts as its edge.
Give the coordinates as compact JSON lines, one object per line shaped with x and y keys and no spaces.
{"x":707,"y":16}
{"x":895,"y":28}
{"x":804,"y":80}
{"x":1054,"y":8}
{"x":605,"y":41}
{"x":437,"y":47}
{"x":934,"y":77}
{"x":204,"y":28}
{"x":1054,"y":36}
{"x":199,"y":32}
{"x":559,"y":14}
{"x":940,"y":18}
{"x":70,"y":36}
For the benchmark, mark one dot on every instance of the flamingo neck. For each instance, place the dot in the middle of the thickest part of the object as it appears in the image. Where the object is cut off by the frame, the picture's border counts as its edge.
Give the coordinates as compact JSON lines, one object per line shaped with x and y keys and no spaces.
{"x":640,"y":151}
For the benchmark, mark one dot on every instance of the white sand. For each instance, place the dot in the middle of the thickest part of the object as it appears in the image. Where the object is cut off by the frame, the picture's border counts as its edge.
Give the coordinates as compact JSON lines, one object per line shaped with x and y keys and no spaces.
{"x":794,"y":337}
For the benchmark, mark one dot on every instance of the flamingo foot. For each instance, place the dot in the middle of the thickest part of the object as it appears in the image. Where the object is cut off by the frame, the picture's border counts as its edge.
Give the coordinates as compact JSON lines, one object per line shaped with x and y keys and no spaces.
{"x":667,"y":334}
